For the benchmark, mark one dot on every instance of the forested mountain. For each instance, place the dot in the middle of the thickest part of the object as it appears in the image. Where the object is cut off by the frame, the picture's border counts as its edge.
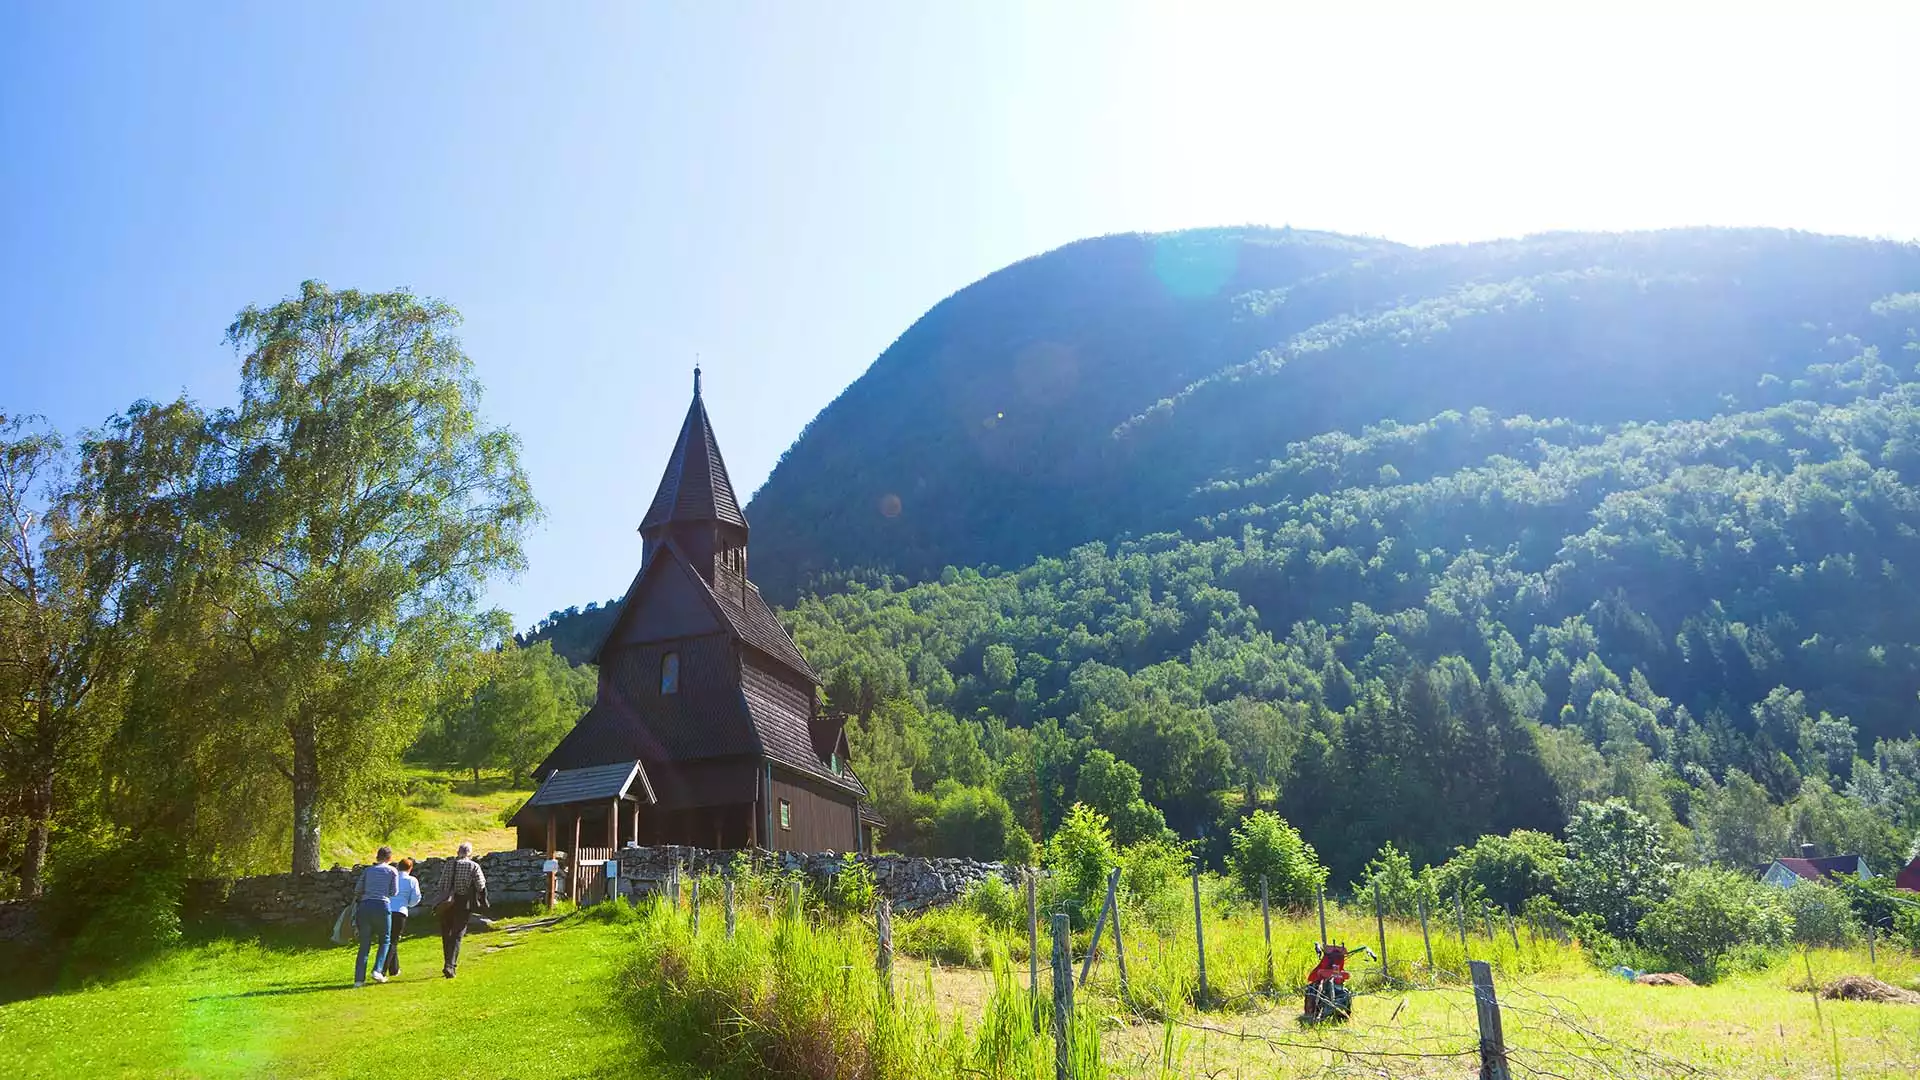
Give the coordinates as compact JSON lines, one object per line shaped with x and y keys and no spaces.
{"x":1415,"y":544}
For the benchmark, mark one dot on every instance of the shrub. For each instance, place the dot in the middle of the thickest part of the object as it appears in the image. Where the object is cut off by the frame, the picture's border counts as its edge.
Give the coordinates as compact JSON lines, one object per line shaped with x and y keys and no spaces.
{"x":977,"y":823}
{"x":1079,"y":856}
{"x":1821,"y":914}
{"x":429,"y":793}
{"x":852,"y":889}
{"x":1508,"y":870}
{"x":1616,"y":864}
{"x":393,"y":816}
{"x":951,"y":935}
{"x":1712,"y":911}
{"x":116,"y":901}
{"x":1264,"y":844}
{"x":1392,"y":872}
{"x":998,"y":903}
{"x":1153,"y":876}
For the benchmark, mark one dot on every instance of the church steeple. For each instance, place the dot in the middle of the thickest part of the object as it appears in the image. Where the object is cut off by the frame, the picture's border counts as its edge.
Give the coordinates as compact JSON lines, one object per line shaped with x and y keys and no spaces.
{"x":695,"y":503}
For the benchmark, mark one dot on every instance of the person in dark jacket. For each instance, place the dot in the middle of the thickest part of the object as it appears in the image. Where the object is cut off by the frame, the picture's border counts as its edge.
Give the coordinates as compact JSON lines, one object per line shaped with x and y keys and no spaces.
{"x":466,"y":893}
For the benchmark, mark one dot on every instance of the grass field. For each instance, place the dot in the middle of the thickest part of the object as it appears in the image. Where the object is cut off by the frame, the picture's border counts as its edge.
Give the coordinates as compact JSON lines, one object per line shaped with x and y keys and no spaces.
{"x":536,"y":1008}
{"x":560,"y":1002}
{"x":470,"y":812}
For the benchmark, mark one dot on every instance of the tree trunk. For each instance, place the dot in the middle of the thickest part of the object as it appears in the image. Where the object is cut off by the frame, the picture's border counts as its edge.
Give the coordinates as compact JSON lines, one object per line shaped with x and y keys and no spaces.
{"x":33,"y":863}
{"x":306,"y":800}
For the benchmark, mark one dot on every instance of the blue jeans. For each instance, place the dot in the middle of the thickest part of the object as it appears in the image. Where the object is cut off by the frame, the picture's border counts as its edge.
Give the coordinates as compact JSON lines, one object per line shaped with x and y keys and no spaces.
{"x":370,"y":918}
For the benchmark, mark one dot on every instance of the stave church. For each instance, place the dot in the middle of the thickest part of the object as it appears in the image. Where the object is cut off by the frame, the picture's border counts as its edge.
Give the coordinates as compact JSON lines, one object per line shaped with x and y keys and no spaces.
{"x":707,"y":730}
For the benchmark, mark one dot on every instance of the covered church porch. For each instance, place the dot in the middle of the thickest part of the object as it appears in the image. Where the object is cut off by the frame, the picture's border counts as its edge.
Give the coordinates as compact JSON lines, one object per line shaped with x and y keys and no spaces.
{"x":589,"y":813}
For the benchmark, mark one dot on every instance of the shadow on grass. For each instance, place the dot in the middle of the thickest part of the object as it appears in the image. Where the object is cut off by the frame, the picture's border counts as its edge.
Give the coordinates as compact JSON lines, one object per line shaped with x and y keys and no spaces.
{"x":280,"y":991}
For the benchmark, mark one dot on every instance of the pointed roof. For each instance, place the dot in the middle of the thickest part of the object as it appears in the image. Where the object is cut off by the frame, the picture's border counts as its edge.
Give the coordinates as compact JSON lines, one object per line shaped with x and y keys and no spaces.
{"x":695,"y":486}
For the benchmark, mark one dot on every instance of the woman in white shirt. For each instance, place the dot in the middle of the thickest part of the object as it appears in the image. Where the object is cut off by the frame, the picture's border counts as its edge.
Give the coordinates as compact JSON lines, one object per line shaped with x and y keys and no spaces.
{"x":397,"y":907}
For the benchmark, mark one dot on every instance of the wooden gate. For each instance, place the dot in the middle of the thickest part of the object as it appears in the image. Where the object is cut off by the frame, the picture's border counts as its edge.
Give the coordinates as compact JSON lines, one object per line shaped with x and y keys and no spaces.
{"x":591,"y":865}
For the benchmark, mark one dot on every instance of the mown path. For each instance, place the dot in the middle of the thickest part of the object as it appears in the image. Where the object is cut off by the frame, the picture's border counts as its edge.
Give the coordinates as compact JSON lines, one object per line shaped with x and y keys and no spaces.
{"x":535,"y":1003}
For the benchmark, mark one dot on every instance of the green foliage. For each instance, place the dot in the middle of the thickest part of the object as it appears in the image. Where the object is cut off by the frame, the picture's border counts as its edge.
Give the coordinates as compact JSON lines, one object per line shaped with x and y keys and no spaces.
{"x":1390,"y":876}
{"x":955,"y":935}
{"x":115,"y":902}
{"x":852,"y":890}
{"x":1821,"y":914}
{"x":1112,"y":787}
{"x":1264,"y":845}
{"x":525,"y":701}
{"x":1617,"y":866}
{"x":1508,"y":870}
{"x":430,"y":794}
{"x":1078,"y":858}
{"x":1710,"y":912}
{"x":976,"y":823}
{"x":997,"y":902}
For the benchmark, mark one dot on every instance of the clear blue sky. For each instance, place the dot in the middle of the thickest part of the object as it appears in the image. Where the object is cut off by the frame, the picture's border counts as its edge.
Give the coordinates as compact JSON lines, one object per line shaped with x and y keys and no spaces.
{"x":783,"y":187}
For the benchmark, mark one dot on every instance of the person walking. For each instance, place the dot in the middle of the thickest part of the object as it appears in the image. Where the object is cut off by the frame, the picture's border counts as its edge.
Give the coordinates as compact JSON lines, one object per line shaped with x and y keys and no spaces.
{"x":398,"y":908}
{"x":466,"y":893}
{"x":372,"y":894}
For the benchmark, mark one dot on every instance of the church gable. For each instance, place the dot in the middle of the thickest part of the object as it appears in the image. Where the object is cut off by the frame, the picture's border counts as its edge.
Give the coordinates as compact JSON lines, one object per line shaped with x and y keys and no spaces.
{"x":667,"y":602}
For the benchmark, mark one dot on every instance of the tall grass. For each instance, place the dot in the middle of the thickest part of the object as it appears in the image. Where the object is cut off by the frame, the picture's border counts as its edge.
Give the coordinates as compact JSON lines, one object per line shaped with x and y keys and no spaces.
{"x":787,"y":997}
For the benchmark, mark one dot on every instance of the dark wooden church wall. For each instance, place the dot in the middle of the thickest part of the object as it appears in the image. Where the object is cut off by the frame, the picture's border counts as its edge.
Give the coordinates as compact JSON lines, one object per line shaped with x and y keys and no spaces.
{"x":821,"y":822}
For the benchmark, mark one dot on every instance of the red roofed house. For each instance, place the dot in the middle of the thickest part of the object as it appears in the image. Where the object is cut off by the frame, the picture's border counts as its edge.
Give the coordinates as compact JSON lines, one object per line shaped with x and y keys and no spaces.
{"x":1909,"y":876}
{"x":1784,"y":872}
{"x":707,"y":730}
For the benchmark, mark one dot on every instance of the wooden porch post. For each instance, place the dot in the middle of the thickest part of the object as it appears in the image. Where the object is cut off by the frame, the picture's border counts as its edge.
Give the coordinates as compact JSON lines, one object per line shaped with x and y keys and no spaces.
{"x":636,"y":821}
{"x":573,"y":862}
{"x":613,"y":826}
{"x":552,"y":851}
{"x":753,"y":823}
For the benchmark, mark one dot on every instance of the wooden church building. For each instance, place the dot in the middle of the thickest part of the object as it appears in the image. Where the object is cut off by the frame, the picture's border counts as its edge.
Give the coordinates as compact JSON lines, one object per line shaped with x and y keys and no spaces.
{"x":707,"y":729}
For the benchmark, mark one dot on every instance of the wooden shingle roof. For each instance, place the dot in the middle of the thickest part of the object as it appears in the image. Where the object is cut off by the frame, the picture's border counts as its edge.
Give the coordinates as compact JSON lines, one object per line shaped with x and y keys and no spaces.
{"x":695,"y":485}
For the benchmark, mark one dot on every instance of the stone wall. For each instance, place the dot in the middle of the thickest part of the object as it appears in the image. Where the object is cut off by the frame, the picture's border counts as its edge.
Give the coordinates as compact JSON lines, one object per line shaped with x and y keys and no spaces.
{"x":513,"y":877}
{"x":911,"y":882}
{"x":20,"y":922}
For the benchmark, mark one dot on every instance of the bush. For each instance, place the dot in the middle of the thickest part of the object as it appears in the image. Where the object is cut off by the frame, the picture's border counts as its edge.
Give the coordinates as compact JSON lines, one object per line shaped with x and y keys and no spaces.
{"x":1079,"y":856}
{"x":1153,"y":877}
{"x":393,"y":817}
{"x":950,"y":935}
{"x":852,"y":890}
{"x":1508,"y":870}
{"x":1712,"y":911}
{"x":1264,"y":844}
{"x":1616,"y":864}
{"x":1392,"y":872}
{"x":1821,"y":914}
{"x":116,"y":901}
{"x":977,"y":823}
{"x":429,"y":793}
{"x":998,"y":903}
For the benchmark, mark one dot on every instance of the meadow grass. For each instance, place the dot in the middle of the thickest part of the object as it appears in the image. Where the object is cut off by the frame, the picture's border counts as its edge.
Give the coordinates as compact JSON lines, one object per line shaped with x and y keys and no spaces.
{"x":470,"y":812}
{"x":247,"y":1008}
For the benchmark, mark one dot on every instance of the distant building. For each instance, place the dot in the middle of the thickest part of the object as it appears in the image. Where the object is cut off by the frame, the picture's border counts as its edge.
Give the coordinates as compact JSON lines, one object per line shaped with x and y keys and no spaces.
{"x":1909,"y":876}
{"x":707,"y":730}
{"x":1809,"y":867}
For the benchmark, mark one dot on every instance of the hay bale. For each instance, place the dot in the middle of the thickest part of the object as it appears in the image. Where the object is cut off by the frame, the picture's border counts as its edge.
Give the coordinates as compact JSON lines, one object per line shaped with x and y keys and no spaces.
{"x":1862,"y":988}
{"x":1663,"y":978}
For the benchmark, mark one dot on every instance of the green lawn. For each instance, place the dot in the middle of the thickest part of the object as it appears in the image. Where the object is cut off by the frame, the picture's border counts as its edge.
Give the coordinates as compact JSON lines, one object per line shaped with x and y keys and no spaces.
{"x":470,"y":812}
{"x":537,"y":1008}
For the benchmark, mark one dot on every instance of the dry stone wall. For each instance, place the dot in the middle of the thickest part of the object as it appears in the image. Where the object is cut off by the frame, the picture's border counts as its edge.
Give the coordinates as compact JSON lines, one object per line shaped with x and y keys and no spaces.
{"x":516,"y":877}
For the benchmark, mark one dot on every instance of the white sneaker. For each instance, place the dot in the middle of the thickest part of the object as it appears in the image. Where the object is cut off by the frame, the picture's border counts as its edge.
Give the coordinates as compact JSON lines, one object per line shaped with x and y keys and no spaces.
{"x":379,"y":978}
{"x":359,"y":984}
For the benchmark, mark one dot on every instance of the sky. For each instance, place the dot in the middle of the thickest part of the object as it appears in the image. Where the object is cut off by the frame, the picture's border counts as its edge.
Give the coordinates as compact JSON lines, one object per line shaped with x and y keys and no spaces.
{"x":608,"y":191}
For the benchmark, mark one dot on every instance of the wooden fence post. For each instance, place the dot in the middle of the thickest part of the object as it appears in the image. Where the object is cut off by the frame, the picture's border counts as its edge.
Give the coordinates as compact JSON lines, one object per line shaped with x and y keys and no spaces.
{"x":1420,"y":901}
{"x":1511,"y":932}
{"x":1062,"y":998}
{"x":729,"y":904}
{"x":1493,"y":1045}
{"x":1119,"y":948}
{"x":795,"y":905}
{"x":1099,"y":925}
{"x":1460,"y":913}
{"x":884,"y":931}
{"x":673,"y":887}
{"x":1873,"y":959}
{"x":1200,"y":938}
{"x":1486,"y":916}
{"x":1380,"y":921}
{"x":1320,"y":898}
{"x":1033,"y":938}
{"x":1266,"y":929}
{"x":694,"y":903}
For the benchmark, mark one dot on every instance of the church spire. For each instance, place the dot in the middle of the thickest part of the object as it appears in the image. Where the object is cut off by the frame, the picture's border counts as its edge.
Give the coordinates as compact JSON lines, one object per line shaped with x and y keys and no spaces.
{"x":695,"y":488}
